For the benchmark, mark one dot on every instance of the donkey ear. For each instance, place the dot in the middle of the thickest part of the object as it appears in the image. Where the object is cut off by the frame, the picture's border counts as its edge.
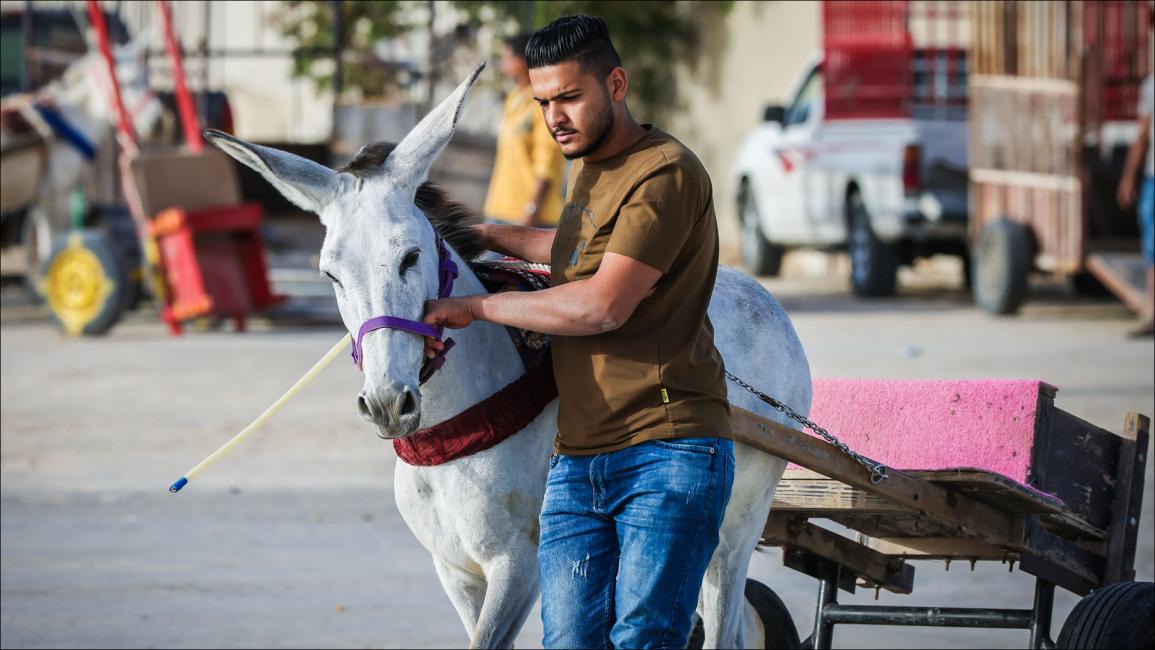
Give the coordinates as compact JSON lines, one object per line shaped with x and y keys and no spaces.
{"x":308,"y":185}
{"x":409,"y":163}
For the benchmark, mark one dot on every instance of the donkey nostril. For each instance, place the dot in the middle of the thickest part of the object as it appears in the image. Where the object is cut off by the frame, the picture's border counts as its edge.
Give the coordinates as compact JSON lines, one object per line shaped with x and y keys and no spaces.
{"x":408,"y":403}
{"x":363,"y":407}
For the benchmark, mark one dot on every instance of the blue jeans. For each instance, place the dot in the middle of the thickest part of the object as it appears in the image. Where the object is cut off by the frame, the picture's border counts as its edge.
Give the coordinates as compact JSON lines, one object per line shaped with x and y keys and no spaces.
{"x":625,"y":540}
{"x":1146,"y":210}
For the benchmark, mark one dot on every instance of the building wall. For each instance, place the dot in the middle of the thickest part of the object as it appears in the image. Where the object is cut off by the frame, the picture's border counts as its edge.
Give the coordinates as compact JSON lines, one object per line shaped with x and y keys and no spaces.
{"x":750,"y":58}
{"x":269,"y":105}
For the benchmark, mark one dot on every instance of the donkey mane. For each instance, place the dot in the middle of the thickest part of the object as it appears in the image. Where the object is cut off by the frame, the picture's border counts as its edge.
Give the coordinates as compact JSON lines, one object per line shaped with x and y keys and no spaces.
{"x":450,"y":219}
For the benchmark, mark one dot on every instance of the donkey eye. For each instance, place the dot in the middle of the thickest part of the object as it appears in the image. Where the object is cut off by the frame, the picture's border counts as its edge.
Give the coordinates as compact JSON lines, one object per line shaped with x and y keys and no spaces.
{"x":331,"y":278}
{"x":409,"y":260}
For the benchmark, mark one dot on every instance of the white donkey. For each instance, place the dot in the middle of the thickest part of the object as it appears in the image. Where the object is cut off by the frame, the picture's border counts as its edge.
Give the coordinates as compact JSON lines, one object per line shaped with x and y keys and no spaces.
{"x":478,"y":515}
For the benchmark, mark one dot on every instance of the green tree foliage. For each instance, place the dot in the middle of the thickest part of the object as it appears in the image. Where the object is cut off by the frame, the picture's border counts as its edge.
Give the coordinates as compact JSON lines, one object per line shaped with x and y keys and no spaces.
{"x":310,"y":24}
{"x":652,"y":37}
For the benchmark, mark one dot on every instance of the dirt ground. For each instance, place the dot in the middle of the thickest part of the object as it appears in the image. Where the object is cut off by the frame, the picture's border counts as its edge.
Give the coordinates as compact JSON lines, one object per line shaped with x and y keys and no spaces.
{"x":294,"y":541}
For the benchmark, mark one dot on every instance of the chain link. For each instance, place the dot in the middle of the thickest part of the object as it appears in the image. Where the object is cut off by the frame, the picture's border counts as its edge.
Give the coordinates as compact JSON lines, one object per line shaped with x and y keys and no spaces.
{"x":877,"y":470}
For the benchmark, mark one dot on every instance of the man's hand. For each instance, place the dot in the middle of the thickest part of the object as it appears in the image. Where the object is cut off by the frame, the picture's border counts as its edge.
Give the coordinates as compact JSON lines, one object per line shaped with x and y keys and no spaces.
{"x":1126,"y":191}
{"x":453,"y":313}
{"x":1126,"y":194}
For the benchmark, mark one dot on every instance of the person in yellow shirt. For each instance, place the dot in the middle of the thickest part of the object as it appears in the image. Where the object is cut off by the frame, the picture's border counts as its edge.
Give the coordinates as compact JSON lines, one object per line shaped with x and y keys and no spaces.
{"x":525,"y":188}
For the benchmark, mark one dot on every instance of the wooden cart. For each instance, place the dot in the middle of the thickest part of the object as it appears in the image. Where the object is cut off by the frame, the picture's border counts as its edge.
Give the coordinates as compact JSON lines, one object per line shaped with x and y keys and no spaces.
{"x":185,"y":238}
{"x":1054,"y":91}
{"x":1075,"y":529}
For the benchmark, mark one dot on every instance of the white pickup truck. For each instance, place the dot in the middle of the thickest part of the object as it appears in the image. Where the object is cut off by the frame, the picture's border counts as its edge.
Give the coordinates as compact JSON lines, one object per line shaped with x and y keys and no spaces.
{"x":888,"y":190}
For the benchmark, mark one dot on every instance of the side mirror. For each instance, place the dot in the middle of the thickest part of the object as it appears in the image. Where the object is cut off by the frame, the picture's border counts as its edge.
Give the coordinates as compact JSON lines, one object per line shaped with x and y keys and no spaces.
{"x":774,"y":113}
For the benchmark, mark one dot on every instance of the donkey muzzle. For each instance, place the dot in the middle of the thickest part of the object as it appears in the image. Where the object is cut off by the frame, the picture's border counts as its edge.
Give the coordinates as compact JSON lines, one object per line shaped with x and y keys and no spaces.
{"x":394,"y":411}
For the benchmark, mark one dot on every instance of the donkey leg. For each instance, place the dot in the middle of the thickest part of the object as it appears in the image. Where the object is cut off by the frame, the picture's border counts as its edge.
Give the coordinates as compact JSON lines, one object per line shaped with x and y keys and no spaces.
{"x":722,"y":601}
{"x":512,"y":587}
{"x":466,"y":591}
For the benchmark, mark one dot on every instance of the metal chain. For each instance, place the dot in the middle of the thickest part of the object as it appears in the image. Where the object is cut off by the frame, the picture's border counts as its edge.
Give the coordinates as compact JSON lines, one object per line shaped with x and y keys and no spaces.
{"x":877,"y":470}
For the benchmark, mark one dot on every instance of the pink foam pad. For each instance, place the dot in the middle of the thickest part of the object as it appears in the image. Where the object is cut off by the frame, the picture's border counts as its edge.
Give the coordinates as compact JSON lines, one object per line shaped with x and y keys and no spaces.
{"x":986,"y":424}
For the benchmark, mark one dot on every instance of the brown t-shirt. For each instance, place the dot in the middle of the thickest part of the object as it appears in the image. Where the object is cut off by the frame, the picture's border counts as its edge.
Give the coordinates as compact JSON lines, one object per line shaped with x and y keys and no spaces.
{"x":658,"y":375}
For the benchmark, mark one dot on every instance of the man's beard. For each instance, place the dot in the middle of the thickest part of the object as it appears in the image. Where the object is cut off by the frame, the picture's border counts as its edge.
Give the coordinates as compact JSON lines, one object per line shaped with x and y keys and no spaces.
{"x":601,"y":130}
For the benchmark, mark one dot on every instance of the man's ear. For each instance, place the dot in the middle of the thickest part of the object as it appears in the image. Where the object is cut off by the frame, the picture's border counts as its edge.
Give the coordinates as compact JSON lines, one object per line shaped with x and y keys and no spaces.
{"x":619,"y":83}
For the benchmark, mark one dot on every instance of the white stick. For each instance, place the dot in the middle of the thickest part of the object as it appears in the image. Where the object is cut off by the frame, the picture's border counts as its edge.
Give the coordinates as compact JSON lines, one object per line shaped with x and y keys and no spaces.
{"x":264,"y":417}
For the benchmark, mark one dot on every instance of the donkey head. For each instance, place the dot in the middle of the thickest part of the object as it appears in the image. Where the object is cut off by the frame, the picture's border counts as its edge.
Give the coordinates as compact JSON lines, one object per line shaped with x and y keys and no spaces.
{"x":380,"y":251}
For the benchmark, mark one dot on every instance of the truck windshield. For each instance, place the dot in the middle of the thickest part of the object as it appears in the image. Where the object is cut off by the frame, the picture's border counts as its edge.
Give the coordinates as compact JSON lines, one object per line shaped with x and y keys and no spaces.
{"x":806,"y":100}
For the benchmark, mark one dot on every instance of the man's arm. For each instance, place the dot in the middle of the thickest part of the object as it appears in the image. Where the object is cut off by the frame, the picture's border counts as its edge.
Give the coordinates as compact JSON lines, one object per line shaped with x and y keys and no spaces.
{"x":595,"y":305}
{"x":532,"y":216}
{"x":1135,"y":154}
{"x":529,"y":244}
{"x":546,"y":161}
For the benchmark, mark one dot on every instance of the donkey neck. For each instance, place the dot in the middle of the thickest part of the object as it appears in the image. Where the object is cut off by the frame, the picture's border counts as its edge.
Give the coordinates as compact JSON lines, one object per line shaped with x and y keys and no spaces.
{"x":483,"y":361}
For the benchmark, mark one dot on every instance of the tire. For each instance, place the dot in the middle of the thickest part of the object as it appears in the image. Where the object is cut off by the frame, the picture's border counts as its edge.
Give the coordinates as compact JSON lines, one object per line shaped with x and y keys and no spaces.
{"x":85,"y":283}
{"x":775,"y":618}
{"x":36,"y":246}
{"x":116,"y":223}
{"x":873,"y":264}
{"x":1002,"y":263}
{"x":1121,"y":615}
{"x":759,"y":256}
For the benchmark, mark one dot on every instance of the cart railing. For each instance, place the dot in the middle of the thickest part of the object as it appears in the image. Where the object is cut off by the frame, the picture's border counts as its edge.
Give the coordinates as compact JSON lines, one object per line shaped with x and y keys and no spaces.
{"x":946,"y":514}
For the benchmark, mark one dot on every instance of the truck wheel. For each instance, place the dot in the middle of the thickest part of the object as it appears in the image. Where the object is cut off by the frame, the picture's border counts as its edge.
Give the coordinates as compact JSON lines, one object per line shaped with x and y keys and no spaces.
{"x":1002,"y":262}
{"x":1121,"y":615}
{"x":84,"y":283}
{"x":873,"y":264}
{"x":759,"y":256}
{"x":773,"y":617}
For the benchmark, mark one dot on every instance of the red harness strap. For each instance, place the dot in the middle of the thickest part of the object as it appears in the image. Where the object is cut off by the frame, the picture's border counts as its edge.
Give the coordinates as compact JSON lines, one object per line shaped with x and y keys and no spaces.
{"x":485,"y":424}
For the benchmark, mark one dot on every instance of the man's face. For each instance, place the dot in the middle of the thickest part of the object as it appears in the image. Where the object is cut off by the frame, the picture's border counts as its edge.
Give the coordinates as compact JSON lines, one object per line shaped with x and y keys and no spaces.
{"x":576,"y":105}
{"x":512,"y":65}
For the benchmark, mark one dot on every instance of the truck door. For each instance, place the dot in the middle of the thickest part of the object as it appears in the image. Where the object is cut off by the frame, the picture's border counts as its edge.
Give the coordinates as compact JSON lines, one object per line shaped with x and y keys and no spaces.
{"x":799,"y":145}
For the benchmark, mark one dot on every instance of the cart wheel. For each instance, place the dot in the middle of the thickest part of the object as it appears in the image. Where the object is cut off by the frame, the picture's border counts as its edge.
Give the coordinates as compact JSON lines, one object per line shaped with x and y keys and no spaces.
{"x":759,"y":256}
{"x":84,"y":283}
{"x":775,"y":621}
{"x":873,"y":263}
{"x":116,"y":223}
{"x":1002,"y":262}
{"x":36,"y":242}
{"x":1121,"y":615}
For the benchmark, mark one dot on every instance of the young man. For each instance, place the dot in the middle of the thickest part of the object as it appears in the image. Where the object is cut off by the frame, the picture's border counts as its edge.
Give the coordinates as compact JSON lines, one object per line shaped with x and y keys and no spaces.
{"x":525,"y":188}
{"x":644,"y":464}
{"x":1144,"y":141}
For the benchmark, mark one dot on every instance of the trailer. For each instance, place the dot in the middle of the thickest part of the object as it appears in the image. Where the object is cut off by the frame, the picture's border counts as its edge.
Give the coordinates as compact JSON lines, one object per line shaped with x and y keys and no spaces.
{"x":1002,"y":475}
{"x":1053,"y":100}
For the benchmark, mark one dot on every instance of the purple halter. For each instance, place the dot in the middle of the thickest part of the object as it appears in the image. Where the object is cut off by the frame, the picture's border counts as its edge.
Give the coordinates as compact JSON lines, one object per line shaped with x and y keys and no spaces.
{"x":447,"y":273}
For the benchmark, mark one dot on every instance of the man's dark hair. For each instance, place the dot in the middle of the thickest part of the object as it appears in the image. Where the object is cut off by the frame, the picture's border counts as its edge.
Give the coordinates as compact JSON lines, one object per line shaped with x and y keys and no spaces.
{"x":585,"y":39}
{"x":517,"y":43}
